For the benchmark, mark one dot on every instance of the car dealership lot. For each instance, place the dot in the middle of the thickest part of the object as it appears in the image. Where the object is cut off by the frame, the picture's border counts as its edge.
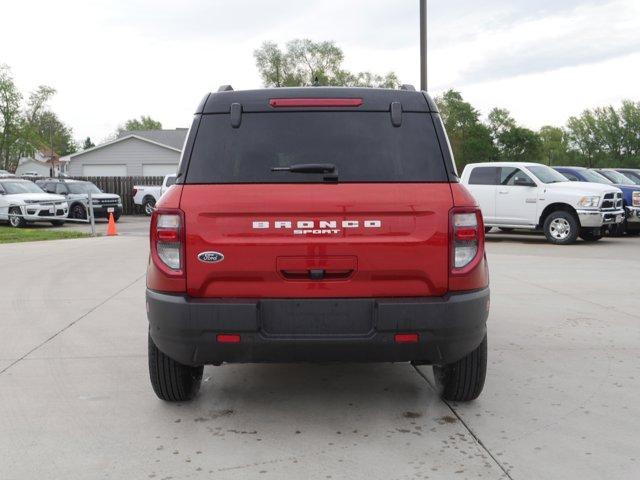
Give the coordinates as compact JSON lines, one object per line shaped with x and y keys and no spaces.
{"x":560,"y":400}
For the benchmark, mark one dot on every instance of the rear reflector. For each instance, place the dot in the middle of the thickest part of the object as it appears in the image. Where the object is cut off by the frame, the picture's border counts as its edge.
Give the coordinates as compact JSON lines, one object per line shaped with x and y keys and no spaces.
{"x":406,"y":338}
{"x":228,"y":338}
{"x":314,"y":102}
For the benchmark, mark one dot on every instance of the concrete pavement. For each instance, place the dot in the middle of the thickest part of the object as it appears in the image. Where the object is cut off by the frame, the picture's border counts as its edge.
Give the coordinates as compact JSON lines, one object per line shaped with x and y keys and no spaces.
{"x":560,"y":400}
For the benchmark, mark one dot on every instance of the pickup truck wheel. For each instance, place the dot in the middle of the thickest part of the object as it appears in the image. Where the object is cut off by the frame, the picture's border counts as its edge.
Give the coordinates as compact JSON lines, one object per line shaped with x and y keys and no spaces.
{"x":172,"y":381}
{"x":148,"y":205}
{"x":463,"y":380}
{"x":561,"y":228}
{"x":15,"y":218}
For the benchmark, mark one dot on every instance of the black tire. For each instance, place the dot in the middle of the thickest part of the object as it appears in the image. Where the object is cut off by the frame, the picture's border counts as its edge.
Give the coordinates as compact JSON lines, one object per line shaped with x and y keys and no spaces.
{"x":148,"y":205}
{"x":16,"y":221}
{"x":78,"y":211}
{"x":172,"y":381}
{"x":506,"y":230}
{"x":463,"y":380}
{"x":57,"y":223}
{"x":561,"y":228}
{"x":590,"y":235}
{"x":116,"y":217}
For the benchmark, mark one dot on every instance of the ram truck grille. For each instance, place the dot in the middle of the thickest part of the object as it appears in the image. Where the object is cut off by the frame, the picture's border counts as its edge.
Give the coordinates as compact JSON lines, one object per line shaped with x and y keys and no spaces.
{"x":612,"y":201}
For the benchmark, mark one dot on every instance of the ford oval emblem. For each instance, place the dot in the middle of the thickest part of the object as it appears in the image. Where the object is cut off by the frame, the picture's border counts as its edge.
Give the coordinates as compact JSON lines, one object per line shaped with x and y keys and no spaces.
{"x":210,"y":257}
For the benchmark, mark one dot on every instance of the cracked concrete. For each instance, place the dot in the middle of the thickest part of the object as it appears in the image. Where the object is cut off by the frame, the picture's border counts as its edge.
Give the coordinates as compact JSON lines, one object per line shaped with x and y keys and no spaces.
{"x":560,"y":399}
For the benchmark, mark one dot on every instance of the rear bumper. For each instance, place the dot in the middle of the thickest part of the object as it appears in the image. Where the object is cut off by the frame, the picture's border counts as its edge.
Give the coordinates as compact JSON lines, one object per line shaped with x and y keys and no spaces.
{"x":598,"y":218}
{"x":186,"y":329}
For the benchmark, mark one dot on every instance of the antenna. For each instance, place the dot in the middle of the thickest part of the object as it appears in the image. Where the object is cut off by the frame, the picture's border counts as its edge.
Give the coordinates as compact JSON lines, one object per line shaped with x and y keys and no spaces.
{"x":423,"y":45}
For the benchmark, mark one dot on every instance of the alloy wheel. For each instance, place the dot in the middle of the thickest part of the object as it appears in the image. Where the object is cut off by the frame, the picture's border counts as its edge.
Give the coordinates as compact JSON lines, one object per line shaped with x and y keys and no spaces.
{"x":560,"y":228}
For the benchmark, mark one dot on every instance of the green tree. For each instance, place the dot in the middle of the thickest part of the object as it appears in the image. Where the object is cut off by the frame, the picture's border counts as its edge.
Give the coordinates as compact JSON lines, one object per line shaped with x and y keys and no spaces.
{"x":87,"y":144}
{"x":630,"y":116}
{"x":555,"y":146}
{"x":11,"y":120}
{"x":305,"y":62}
{"x":584,"y":139}
{"x":47,"y":129}
{"x":470,"y":139}
{"x":514,"y":143}
{"x":143,"y":123}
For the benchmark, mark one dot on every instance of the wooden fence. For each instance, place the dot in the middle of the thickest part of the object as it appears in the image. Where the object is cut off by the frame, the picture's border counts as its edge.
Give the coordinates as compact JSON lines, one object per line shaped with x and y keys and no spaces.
{"x":123,"y":186}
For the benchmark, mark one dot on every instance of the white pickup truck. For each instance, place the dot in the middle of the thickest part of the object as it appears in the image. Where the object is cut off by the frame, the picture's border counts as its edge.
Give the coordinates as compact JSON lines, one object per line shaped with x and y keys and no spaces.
{"x":147,"y":196}
{"x":535,"y":197}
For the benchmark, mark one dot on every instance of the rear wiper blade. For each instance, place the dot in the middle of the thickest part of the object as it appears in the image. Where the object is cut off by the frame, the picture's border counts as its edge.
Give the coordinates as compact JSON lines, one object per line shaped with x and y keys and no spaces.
{"x":307,"y":168}
{"x":329,"y":169}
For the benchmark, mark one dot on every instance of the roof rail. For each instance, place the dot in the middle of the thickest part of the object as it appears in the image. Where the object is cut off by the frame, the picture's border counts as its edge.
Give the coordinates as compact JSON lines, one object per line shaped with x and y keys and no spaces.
{"x":225,"y":88}
{"x":407,"y":86}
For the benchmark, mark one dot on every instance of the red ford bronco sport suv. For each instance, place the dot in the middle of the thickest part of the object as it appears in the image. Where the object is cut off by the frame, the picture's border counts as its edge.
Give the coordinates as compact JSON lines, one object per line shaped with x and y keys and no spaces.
{"x":314,"y":225}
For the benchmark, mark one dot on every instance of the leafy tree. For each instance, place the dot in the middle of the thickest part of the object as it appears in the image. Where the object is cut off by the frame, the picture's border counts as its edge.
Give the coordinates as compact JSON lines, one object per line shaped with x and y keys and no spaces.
{"x":630,"y":117}
{"x":11,"y":121}
{"x":144,"y":123}
{"x":470,"y":139}
{"x":514,"y":143}
{"x":555,"y":146}
{"x":305,"y":62}
{"x":583,"y":137}
{"x":87,"y":144}
{"x":47,"y":129}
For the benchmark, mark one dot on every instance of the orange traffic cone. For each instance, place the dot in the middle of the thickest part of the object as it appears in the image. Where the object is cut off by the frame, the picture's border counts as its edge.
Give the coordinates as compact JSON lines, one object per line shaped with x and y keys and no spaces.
{"x":111,"y":229}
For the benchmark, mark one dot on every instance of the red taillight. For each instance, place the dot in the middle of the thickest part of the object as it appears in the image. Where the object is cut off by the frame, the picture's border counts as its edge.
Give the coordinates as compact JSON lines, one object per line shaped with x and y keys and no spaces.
{"x":168,"y":236}
{"x":467,"y":239}
{"x":406,"y":338}
{"x":167,"y":244}
{"x":228,"y":338}
{"x":314,"y":102}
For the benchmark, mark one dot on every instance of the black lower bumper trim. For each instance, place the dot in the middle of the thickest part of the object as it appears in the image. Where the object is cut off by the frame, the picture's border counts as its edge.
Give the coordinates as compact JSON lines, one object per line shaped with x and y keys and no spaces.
{"x":317,"y":330}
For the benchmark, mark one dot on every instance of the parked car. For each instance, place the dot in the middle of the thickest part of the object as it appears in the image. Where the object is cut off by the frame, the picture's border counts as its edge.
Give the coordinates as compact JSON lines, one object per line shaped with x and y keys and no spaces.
{"x":535,"y":197}
{"x":22,"y":201}
{"x":77,"y":194}
{"x":30,"y":175}
{"x":339,"y":221}
{"x":148,"y":196}
{"x":631,"y":195}
{"x":6,"y":174}
{"x":631,"y":173}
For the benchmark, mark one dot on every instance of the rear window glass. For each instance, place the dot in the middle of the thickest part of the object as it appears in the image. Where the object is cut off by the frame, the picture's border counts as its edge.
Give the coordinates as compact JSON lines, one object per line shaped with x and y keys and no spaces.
{"x":364,"y":146}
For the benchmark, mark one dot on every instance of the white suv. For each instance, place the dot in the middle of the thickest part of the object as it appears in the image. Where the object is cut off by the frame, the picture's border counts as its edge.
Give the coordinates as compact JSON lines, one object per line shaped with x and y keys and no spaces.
{"x":22,"y":201}
{"x":534,"y":196}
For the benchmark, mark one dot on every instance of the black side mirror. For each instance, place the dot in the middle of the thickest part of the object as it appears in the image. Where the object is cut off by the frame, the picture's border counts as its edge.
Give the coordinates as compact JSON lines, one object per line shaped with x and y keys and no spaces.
{"x":523,"y":182}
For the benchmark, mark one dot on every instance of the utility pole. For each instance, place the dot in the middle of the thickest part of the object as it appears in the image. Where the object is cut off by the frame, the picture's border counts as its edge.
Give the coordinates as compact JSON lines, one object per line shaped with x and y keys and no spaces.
{"x":51,"y":169}
{"x":423,"y":45}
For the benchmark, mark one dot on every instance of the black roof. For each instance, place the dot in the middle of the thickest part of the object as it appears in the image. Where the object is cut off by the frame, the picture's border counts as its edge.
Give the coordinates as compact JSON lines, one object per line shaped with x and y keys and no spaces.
{"x":374,"y":99}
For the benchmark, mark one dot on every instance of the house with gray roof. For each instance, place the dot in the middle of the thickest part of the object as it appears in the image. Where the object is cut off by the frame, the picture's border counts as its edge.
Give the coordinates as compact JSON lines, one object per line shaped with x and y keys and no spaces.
{"x":133,"y":153}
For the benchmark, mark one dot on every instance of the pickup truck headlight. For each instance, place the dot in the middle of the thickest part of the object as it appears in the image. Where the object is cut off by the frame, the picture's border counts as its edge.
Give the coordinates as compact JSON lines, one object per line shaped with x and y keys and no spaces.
{"x":635,"y":199}
{"x":589,"y":202}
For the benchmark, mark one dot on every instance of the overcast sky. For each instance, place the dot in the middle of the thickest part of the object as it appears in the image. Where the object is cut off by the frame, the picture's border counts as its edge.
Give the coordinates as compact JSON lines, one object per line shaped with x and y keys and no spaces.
{"x":112,"y":60}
